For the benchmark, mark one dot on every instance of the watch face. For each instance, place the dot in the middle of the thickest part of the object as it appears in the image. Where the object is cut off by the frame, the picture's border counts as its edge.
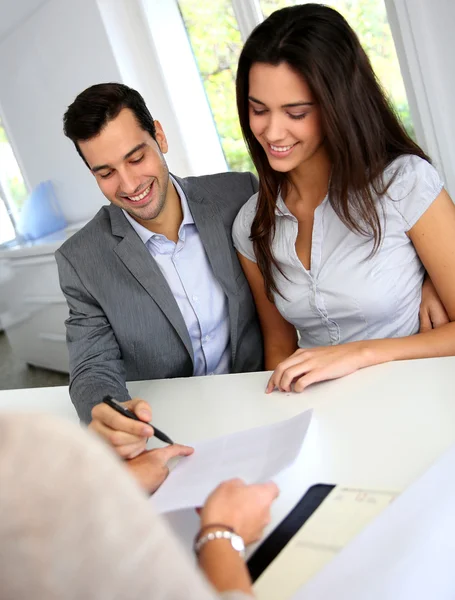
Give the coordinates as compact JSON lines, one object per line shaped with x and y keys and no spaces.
{"x":237,"y":543}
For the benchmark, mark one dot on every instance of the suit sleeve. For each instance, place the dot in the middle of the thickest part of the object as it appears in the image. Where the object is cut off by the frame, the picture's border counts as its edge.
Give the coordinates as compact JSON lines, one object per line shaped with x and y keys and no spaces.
{"x":96,"y":365}
{"x":254,"y":183}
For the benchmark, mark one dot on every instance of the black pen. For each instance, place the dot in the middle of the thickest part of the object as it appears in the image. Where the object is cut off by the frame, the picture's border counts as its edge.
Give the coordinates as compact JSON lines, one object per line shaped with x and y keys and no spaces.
{"x":128,"y":413}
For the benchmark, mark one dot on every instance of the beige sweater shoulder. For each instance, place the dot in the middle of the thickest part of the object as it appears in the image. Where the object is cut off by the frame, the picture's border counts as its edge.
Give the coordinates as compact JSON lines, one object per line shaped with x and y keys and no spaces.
{"x":74,"y":525}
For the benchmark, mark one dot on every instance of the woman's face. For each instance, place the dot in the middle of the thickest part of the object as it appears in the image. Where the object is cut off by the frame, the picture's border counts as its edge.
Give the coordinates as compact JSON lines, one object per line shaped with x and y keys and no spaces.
{"x":284,"y":116}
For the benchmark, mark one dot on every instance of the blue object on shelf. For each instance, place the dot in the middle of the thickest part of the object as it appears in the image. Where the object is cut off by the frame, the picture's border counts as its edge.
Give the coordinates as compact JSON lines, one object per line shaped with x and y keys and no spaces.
{"x":41,"y":213}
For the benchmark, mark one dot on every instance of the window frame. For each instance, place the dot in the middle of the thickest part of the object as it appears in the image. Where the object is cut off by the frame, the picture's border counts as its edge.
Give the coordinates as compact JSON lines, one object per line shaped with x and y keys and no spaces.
{"x":4,"y":196}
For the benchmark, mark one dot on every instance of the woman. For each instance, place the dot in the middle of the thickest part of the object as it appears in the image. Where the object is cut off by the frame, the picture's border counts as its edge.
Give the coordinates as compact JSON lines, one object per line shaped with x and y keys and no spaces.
{"x":349,"y":213}
{"x":76,"y":526}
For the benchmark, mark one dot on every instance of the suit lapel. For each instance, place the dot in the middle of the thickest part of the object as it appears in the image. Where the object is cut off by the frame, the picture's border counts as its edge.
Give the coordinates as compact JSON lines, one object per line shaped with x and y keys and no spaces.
{"x":138,"y":260}
{"x":217,"y":246}
{"x":213,"y":235}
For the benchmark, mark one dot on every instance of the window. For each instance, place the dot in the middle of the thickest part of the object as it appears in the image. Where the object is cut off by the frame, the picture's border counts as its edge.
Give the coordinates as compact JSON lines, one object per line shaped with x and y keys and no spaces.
{"x":216,"y":41}
{"x":13,"y":191}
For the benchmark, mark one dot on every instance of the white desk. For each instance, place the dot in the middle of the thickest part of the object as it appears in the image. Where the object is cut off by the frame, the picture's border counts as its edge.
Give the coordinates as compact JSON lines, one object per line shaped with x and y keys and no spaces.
{"x":380,"y":427}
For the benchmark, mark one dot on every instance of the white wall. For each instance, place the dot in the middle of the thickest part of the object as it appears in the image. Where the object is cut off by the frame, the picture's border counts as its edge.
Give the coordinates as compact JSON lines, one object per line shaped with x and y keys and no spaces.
{"x":424,"y":35}
{"x":45,"y":61}
{"x":12,"y":13}
{"x":52,"y":50}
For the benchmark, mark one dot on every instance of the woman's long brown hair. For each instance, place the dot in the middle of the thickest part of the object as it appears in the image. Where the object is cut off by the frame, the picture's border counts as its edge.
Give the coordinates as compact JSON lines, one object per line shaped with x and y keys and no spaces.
{"x":363,"y":135}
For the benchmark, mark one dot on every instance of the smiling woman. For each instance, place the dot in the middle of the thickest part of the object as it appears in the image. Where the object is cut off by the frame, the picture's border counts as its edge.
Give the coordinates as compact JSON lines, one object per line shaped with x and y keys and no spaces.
{"x":349,"y":214}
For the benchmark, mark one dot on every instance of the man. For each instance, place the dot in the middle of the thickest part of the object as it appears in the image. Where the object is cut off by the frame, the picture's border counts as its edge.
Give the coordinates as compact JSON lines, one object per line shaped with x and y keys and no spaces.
{"x":153,"y":284}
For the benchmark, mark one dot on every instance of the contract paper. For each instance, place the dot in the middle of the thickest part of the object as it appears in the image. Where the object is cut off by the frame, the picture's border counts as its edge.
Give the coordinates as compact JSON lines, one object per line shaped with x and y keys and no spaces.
{"x":341,"y":516}
{"x":255,"y":455}
{"x":407,"y":553}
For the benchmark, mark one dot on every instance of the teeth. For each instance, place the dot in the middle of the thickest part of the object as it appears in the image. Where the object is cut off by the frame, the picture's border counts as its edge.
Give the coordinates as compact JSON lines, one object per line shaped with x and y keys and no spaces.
{"x":280,"y":148}
{"x":141,"y":196}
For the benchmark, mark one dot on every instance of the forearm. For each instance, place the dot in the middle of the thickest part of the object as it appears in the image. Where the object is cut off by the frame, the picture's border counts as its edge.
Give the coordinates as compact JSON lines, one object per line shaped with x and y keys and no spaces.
{"x":437,"y":342}
{"x":274,"y":354}
{"x":95,"y":358}
{"x":224,"y":567}
{"x":88,"y":389}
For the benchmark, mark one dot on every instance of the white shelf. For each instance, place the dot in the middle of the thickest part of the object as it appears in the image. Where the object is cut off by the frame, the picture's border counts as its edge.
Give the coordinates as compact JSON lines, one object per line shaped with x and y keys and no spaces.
{"x":32,"y":307}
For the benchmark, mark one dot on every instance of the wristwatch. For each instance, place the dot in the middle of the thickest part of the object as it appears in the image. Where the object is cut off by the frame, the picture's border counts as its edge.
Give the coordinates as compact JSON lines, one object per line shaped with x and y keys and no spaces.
{"x":236,"y":541}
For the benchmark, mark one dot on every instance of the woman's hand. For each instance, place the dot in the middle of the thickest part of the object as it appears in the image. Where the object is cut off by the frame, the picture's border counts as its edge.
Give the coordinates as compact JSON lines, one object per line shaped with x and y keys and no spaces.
{"x":245,"y":508}
{"x":305,"y":367}
{"x":432,"y":312}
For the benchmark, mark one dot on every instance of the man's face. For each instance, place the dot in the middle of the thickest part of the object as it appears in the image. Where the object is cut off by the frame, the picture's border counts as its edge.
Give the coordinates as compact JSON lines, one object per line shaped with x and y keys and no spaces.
{"x":129,"y":166}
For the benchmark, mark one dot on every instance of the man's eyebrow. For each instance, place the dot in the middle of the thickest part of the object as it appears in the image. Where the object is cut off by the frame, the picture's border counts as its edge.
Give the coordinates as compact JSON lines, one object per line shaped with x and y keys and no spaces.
{"x":290,"y":105}
{"x":126,"y":157}
{"x":135,"y":149}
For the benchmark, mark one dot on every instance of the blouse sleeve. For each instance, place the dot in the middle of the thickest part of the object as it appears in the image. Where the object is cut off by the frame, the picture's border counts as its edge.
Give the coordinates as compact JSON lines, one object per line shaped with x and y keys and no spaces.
{"x":78,"y":526}
{"x":241,"y":230}
{"x":415,"y":185}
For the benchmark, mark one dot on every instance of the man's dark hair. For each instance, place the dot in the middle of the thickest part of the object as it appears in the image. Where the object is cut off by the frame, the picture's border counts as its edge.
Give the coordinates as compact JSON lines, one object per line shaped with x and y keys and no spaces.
{"x":93,"y":108}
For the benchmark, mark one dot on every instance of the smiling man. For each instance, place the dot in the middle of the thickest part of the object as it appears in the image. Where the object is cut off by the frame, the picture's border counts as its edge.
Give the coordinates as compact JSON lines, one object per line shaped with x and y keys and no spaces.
{"x":153,"y":283}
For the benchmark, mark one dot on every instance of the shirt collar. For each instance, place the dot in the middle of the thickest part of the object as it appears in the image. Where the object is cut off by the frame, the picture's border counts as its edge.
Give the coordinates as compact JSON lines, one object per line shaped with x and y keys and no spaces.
{"x":145,"y":234}
{"x":281,"y":209}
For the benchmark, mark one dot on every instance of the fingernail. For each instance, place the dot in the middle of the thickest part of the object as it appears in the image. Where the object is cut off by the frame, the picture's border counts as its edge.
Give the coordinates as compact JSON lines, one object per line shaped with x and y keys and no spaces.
{"x":144,"y":414}
{"x":147,"y":432}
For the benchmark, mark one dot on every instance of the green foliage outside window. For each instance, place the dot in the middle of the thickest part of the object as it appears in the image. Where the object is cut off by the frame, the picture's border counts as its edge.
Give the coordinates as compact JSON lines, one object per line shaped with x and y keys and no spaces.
{"x":3,"y":138}
{"x":216,"y":43}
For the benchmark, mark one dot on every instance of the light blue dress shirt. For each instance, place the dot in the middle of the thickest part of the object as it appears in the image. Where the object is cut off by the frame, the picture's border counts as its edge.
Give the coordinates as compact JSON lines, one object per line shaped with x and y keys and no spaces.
{"x":198,"y":294}
{"x":349,"y":294}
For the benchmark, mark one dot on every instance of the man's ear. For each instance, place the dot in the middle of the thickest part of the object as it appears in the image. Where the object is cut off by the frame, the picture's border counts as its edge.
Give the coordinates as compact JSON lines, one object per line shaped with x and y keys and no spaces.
{"x":160,"y":137}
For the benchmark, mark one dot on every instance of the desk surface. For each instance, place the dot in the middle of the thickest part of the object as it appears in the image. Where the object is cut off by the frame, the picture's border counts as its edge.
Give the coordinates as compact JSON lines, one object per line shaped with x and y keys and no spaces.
{"x":378,"y":428}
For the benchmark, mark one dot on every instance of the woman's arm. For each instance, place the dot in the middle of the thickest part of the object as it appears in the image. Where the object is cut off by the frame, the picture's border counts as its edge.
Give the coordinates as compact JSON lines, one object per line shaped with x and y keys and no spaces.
{"x":280,"y":337}
{"x":70,"y":500}
{"x":246,"y":510}
{"x":433,"y":237}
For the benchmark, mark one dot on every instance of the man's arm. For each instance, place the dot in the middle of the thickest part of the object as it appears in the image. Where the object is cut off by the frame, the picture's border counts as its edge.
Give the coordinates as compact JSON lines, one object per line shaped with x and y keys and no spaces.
{"x":96,"y":365}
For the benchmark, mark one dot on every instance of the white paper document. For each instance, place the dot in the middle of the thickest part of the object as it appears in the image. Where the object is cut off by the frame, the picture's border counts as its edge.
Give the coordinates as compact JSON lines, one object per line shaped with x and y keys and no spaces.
{"x":406,"y":553}
{"x":255,"y":455}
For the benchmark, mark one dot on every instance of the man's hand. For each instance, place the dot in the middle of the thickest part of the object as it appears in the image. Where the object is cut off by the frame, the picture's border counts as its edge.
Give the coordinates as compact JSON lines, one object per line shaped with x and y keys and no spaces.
{"x":126,"y":436}
{"x":150,"y":468}
{"x":432,"y":312}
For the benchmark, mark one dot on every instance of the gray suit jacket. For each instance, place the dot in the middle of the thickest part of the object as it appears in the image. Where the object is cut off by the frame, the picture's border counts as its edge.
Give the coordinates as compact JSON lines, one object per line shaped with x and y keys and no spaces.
{"x":124,"y":323}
